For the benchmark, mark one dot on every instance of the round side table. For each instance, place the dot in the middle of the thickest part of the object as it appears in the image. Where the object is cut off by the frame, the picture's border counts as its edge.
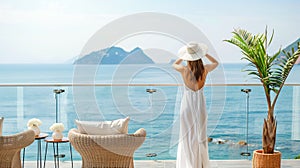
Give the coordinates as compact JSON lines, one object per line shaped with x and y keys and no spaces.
{"x":38,"y":138}
{"x":56,"y":154}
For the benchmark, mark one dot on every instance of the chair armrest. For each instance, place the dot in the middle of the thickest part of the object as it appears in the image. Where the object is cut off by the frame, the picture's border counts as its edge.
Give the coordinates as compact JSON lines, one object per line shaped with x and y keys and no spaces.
{"x":140,"y":133}
{"x":17,"y":141}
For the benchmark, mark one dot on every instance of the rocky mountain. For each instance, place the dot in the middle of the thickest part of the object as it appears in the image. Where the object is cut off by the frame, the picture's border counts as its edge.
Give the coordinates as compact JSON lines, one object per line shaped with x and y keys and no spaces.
{"x":115,"y":55}
{"x":289,"y":48}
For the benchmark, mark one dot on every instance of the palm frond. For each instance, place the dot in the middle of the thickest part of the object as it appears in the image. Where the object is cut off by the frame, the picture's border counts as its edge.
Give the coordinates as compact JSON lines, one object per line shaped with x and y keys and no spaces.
{"x":285,"y":65}
{"x":270,"y":70}
{"x":271,"y":39}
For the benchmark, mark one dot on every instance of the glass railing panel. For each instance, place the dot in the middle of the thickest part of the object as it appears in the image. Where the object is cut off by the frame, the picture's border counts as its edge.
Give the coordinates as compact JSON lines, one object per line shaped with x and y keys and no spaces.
{"x":9,"y":109}
{"x":19,"y":104}
{"x":296,"y":114}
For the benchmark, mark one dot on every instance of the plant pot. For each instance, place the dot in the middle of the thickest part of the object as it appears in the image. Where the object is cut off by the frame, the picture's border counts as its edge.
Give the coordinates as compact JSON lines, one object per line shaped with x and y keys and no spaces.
{"x":263,"y":160}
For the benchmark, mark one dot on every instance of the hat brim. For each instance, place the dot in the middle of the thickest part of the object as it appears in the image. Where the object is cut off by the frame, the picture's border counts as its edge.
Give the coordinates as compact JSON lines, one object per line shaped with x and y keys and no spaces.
{"x":184,"y":55}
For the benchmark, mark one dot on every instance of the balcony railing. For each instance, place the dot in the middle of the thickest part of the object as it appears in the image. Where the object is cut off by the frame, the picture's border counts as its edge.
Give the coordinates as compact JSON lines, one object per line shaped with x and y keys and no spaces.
{"x":158,"y":113}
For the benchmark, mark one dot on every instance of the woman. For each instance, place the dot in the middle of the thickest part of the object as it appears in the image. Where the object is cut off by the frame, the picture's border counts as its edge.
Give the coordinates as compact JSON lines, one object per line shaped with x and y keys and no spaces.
{"x":192,"y":147}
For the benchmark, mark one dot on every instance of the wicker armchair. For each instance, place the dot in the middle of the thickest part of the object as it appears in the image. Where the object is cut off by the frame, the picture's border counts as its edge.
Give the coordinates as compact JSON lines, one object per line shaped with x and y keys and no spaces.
{"x":10,"y":147}
{"x":107,"y":151}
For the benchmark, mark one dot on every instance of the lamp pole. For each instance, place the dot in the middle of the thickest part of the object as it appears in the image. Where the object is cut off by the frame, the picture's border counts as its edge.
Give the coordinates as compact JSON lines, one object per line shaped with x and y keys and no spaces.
{"x":247,"y":91}
{"x":57,"y":92}
{"x":151,"y":91}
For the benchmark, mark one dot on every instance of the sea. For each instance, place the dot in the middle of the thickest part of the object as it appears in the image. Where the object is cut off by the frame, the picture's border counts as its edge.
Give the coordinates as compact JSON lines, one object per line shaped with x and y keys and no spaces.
{"x":110,"y":92}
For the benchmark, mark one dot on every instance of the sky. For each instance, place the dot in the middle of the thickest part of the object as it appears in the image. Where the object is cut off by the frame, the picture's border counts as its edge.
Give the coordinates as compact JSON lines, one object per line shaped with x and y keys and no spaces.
{"x":55,"y":31}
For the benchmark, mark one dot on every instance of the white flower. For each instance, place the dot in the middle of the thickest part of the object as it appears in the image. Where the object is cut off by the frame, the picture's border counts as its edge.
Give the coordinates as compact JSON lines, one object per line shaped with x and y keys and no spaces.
{"x":34,"y":122}
{"x":57,"y":127}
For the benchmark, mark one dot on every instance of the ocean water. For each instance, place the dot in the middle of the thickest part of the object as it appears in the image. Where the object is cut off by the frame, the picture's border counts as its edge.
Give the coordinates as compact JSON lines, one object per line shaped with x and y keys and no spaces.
{"x":157,"y":112}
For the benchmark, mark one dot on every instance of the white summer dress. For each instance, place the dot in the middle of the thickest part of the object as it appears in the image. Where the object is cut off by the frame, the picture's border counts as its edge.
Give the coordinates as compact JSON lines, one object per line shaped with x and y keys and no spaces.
{"x":192,"y":149}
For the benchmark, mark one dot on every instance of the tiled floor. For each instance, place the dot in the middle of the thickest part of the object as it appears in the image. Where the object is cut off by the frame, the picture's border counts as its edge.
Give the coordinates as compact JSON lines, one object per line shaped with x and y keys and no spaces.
{"x":171,"y":164}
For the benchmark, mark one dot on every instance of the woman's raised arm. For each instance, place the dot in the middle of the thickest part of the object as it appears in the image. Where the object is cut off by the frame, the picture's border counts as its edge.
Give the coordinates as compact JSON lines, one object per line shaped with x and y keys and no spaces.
{"x":177,"y":65}
{"x":214,"y":63}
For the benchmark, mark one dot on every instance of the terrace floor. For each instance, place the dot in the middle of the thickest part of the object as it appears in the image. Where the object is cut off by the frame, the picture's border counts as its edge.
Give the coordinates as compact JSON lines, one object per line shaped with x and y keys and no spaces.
{"x":172,"y":163}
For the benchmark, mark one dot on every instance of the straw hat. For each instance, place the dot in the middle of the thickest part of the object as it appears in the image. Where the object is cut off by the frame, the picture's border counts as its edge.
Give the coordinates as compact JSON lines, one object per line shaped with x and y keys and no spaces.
{"x":193,"y":51}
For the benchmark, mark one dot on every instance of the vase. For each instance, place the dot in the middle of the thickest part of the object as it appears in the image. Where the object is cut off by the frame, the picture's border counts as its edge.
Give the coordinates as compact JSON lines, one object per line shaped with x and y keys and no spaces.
{"x":36,"y":129}
{"x":57,"y":135}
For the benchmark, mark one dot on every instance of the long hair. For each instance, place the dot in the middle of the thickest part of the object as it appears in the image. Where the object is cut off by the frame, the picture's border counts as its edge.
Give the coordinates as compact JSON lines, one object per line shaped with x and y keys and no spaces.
{"x":197,"y":69}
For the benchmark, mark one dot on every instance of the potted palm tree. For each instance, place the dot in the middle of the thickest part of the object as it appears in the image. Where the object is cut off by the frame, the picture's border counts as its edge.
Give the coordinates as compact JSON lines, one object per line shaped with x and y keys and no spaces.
{"x":272,"y":71}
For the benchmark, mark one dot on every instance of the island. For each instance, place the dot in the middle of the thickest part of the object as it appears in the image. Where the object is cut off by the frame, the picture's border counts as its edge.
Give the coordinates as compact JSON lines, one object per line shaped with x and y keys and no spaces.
{"x":115,"y":55}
